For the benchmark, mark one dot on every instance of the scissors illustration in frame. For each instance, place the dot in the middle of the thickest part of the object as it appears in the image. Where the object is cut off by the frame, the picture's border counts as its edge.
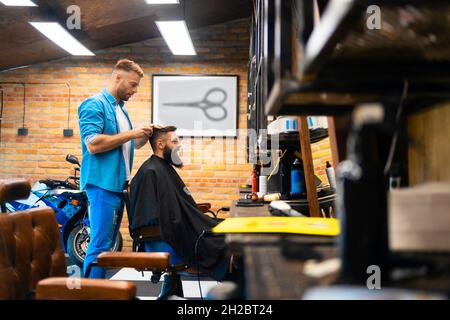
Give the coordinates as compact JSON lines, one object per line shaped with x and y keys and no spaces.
{"x":206,"y":104}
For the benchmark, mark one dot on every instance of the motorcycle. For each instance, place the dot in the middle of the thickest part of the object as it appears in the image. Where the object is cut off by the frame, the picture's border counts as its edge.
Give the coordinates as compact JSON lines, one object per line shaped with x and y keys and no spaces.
{"x":71,"y":208}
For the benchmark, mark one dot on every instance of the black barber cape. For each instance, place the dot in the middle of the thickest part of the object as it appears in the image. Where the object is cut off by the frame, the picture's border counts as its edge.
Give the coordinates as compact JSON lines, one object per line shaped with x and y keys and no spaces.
{"x":158,"y":193}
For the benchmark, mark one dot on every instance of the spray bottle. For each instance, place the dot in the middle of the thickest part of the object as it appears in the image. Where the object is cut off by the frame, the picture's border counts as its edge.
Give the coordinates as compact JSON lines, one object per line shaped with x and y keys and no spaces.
{"x":331,"y":176}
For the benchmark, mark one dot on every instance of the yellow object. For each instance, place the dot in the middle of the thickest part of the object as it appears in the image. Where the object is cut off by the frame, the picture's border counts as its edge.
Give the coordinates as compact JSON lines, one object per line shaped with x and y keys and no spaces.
{"x":296,"y":225}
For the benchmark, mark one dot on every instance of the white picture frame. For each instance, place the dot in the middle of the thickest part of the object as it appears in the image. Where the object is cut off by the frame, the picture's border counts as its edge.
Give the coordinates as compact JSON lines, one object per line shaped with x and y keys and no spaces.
{"x":198,"y":105}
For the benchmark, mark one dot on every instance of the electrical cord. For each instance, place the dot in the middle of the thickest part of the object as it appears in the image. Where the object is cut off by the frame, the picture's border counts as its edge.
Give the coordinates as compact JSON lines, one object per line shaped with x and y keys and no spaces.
{"x":196,"y":260}
{"x":387,"y":167}
{"x":24,"y":103}
{"x":276,"y":165}
{"x":204,"y":233}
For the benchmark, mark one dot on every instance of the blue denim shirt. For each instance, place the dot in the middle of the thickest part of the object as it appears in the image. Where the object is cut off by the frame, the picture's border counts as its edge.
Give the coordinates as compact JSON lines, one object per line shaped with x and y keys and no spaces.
{"x":97,"y":115}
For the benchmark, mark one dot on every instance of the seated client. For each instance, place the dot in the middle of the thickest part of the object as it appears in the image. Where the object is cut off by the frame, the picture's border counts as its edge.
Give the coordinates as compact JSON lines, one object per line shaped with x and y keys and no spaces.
{"x":158,"y":196}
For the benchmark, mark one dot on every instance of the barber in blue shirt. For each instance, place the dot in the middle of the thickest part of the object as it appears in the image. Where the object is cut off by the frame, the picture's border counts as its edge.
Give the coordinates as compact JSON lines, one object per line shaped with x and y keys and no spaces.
{"x":108,"y":141}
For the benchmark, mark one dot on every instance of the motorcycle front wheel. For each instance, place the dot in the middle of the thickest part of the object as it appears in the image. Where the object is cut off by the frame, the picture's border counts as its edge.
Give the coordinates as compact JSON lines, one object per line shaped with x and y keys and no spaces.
{"x":78,"y":241}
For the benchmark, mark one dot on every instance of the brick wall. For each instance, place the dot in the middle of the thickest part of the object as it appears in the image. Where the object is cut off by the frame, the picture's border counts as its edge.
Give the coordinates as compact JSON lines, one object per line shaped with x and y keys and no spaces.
{"x":321,"y":154}
{"x":222,"y":49}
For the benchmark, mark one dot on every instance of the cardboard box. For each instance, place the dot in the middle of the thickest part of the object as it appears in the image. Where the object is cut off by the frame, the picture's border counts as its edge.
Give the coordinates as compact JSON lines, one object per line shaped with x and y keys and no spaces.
{"x":419,"y":218}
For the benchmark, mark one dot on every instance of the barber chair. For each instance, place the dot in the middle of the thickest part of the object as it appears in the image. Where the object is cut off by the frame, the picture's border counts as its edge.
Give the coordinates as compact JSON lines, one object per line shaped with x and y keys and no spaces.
{"x":33,"y":265}
{"x":172,"y":280}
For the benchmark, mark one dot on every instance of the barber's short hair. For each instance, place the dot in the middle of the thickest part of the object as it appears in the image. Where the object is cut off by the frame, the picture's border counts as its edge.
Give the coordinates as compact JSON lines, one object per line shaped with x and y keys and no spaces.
{"x":158,"y":133}
{"x":128,"y":66}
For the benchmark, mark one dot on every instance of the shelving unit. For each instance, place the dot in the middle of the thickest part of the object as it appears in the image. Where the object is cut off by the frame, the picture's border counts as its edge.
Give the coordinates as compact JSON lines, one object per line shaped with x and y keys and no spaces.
{"x":341,"y":62}
{"x":262,"y":75}
{"x":327,"y":61}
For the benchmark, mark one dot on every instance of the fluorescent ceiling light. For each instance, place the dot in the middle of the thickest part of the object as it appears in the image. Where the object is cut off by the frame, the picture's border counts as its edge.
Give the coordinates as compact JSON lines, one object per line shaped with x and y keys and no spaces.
{"x":19,"y":3}
{"x":162,"y":1}
{"x":176,"y":35}
{"x":62,"y":38}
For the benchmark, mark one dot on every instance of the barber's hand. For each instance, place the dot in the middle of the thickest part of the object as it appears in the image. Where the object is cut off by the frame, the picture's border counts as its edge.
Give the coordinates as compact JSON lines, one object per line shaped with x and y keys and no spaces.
{"x":157,"y":126}
{"x":145,"y":131}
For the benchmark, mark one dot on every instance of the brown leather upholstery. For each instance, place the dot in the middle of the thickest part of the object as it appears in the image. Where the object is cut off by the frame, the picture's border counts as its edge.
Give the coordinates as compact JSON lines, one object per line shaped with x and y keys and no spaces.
{"x":138,"y":260}
{"x":204,"y":207}
{"x":89,"y":289}
{"x":14,"y":189}
{"x":30,"y":250}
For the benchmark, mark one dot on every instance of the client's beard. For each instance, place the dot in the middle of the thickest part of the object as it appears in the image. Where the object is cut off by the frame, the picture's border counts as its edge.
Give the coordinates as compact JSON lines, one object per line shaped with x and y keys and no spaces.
{"x":172,"y":157}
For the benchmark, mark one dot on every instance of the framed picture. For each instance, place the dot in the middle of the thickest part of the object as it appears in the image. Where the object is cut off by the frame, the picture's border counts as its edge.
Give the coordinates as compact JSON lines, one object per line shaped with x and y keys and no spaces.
{"x":198,"y":105}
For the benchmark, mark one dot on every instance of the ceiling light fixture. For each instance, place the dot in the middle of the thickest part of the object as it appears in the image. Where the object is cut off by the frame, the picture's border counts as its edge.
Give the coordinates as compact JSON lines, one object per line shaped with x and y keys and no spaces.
{"x":55,"y":32}
{"x":162,"y":1}
{"x":19,"y":3}
{"x":176,"y":35}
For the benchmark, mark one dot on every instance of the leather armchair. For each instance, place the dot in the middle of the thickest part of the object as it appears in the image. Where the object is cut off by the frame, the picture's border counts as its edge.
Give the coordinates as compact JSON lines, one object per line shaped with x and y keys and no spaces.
{"x":32,"y":262}
{"x":30,"y":251}
{"x":13,"y":189}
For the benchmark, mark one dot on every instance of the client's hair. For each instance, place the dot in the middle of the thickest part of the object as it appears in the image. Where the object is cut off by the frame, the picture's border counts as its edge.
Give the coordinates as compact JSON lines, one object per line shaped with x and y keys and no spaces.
{"x":158,"y":133}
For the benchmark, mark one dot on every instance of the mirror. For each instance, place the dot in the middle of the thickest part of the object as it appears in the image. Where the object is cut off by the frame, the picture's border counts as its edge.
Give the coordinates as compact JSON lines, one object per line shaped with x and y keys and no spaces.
{"x":72,"y":159}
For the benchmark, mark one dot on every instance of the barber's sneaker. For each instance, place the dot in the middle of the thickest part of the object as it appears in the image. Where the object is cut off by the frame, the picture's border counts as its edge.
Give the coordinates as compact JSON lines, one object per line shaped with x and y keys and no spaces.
{"x":171,"y":286}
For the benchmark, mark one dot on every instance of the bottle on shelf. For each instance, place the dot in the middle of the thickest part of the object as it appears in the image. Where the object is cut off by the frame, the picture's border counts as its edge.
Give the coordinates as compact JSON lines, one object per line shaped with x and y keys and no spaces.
{"x":331,"y":175}
{"x":297,"y":179}
{"x":254,"y":181}
{"x":262,"y":185}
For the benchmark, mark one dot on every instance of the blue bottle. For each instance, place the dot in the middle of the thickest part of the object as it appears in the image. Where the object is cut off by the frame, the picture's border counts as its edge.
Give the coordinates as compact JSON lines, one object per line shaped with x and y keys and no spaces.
{"x":297,"y":178}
